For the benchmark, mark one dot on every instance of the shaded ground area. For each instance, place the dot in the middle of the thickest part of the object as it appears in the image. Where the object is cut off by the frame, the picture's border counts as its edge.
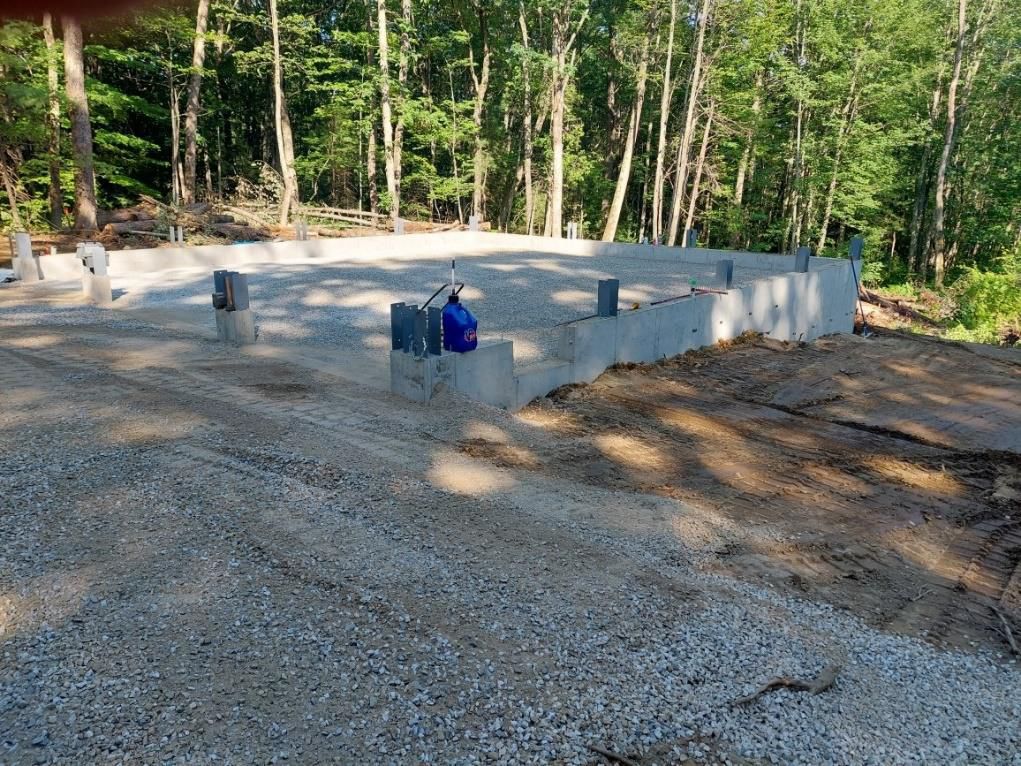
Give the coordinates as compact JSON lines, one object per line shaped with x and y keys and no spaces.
{"x":208,"y":556}
{"x":882,"y":476}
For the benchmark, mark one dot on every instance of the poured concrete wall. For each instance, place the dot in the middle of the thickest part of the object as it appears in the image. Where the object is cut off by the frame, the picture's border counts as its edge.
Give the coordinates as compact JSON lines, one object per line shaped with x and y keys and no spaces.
{"x":486,"y":374}
{"x":788,"y":306}
{"x":440,"y":245}
{"x":785,"y":306}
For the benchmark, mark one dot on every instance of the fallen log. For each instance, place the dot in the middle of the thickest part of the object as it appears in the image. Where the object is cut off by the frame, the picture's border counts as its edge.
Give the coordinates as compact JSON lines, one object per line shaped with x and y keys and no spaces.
{"x":238,"y":232}
{"x":331,"y":216}
{"x":129,"y":226}
{"x":817,"y":685}
{"x":896,"y":306}
{"x":246,"y":215}
{"x":308,"y":210}
{"x":104,"y":217}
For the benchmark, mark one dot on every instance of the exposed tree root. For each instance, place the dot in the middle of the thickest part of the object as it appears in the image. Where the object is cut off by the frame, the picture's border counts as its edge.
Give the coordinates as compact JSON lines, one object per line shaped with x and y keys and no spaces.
{"x":819,"y":684}
{"x":612,"y":756}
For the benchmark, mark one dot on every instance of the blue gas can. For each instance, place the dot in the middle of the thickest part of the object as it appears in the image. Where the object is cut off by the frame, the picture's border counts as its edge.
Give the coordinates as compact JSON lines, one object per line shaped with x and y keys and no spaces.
{"x":460,"y":328}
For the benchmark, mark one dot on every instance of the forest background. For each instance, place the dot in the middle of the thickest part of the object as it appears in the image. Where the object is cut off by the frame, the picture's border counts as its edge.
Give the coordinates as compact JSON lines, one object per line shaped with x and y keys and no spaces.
{"x":765,"y":124}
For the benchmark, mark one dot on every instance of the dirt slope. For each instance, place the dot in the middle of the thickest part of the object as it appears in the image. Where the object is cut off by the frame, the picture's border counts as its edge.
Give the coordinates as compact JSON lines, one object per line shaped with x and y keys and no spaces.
{"x":882,"y":476}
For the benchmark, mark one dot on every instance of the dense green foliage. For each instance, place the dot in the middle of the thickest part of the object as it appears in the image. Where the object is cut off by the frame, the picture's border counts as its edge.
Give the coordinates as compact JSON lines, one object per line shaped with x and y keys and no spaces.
{"x":987,"y":301}
{"x":828,"y":118}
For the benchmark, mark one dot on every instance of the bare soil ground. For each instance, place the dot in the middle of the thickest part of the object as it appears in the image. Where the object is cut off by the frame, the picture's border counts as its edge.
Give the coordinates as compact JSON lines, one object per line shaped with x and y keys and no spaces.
{"x":880,"y":475}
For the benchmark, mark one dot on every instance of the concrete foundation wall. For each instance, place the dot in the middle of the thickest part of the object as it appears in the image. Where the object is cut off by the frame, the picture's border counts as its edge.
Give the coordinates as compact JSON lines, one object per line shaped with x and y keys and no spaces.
{"x":785,"y":306}
{"x":486,"y":374}
{"x":441,"y":245}
{"x":788,"y":307}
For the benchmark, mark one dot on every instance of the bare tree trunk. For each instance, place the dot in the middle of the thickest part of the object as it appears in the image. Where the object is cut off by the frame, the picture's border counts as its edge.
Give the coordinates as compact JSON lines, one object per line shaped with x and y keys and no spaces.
{"x":850,"y":113}
{"x":175,"y":134}
{"x":209,"y":174}
{"x":384,"y":107}
{"x":53,"y":124}
{"x":403,"y":60}
{"x":664,"y":114}
{"x":554,"y":218}
{"x":747,"y":160}
{"x":370,"y":168}
{"x":700,"y":165}
{"x":614,"y":130}
{"x":527,"y":124}
{"x":481,"y":84}
{"x":370,"y":149}
{"x":643,"y":215}
{"x":288,"y":140}
{"x":563,"y":42}
{"x":793,"y":229}
{"x":282,"y":122}
{"x":10,"y":187}
{"x":81,"y":127}
{"x":917,"y":253}
{"x":939,"y":210}
{"x":681,"y":176}
{"x":547,"y":219}
{"x":453,"y":146}
{"x":191,"y":112}
{"x":624,"y":174}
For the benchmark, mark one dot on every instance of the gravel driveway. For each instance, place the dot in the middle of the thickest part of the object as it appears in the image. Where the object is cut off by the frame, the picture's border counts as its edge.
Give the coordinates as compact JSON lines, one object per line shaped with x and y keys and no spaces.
{"x":214,"y":558}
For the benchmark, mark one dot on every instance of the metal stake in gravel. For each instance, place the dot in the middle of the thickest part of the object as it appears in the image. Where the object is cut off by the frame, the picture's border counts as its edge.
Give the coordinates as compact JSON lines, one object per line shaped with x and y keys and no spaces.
{"x":234,"y":320}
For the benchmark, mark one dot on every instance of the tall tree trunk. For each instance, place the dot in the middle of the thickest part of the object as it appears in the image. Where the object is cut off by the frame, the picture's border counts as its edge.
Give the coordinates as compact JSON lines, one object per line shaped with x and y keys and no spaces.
{"x":917,"y":252}
{"x":385,"y":109}
{"x":792,"y":235}
{"x":554,"y":218}
{"x":283,"y":125}
{"x":481,"y":84}
{"x":403,"y":61}
{"x":644,"y":210}
{"x":370,"y":168}
{"x":453,"y":146}
{"x":547,"y":219}
{"x":917,"y":255}
{"x":288,"y":141}
{"x":563,"y":42}
{"x":370,"y":149}
{"x":749,"y":147}
{"x":191,"y":112}
{"x":747,"y":160}
{"x":848,"y":115}
{"x":614,"y":130}
{"x":527,"y":124}
{"x":209,"y":173}
{"x":700,"y":165}
{"x":624,"y":174}
{"x":81,"y":127}
{"x":664,"y":114}
{"x":175,"y":140}
{"x":10,"y":186}
{"x":939,"y":209}
{"x":53,"y":124}
{"x":681,"y":176}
